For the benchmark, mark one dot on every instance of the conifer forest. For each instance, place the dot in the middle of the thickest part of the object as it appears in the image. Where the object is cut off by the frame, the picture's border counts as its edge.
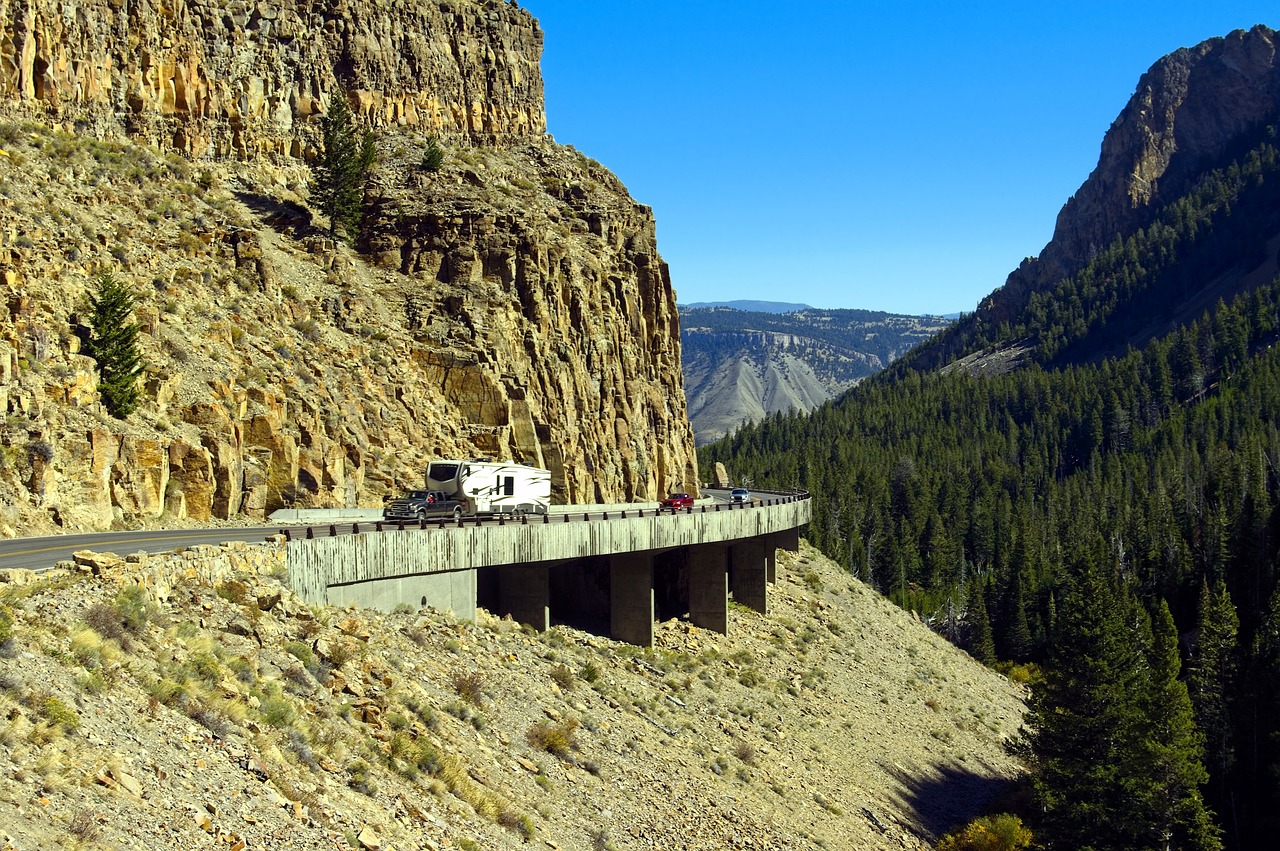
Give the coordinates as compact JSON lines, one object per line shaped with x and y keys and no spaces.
{"x":1100,"y":515}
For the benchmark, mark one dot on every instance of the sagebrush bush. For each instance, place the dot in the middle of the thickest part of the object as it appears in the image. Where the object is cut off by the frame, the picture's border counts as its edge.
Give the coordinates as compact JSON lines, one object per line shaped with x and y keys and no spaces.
{"x":61,"y":715}
{"x":518,"y":823}
{"x":470,"y":686}
{"x":277,"y":711}
{"x":563,"y":677}
{"x":134,"y":609}
{"x":556,"y":739}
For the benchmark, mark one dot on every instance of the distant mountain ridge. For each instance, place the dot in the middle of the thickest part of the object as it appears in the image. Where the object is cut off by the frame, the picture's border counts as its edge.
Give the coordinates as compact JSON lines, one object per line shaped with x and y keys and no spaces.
{"x":744,"y":365}
{"x":751,"y":306}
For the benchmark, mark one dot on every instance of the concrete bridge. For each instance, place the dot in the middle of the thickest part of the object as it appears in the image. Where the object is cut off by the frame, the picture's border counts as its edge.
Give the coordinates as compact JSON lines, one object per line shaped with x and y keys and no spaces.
{"x":612,"y":572}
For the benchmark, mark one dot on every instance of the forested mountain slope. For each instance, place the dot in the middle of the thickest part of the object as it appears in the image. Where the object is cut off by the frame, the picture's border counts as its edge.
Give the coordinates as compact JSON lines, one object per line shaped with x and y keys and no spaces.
{"x":1041,"y":480}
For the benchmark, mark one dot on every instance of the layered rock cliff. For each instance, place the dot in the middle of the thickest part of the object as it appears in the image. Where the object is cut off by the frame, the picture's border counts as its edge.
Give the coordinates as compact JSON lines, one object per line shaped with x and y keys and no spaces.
{"x":512,"y":304}
{"x":1188,"y":111}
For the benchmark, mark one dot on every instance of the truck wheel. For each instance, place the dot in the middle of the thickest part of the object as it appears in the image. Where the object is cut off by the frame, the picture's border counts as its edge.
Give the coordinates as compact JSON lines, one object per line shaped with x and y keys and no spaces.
{"x":457,"y":513}
{"x":422,"y":514}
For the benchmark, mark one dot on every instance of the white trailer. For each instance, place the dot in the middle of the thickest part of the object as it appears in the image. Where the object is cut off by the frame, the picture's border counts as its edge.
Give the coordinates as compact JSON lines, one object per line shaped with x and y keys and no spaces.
{"x":492,"y":487}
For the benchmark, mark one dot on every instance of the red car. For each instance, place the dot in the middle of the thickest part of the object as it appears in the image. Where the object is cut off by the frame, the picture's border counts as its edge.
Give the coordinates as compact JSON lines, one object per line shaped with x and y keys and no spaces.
{"x":676,"y":501}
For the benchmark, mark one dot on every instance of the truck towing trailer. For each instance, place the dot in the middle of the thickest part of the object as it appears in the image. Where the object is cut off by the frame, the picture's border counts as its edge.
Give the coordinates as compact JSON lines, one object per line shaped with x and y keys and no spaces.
{"x":492,"y":487}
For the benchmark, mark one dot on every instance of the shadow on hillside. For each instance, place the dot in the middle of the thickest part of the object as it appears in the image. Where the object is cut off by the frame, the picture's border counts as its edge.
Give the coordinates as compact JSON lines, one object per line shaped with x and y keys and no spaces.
{"x":949,"y":795}
{"x":287,"y":218}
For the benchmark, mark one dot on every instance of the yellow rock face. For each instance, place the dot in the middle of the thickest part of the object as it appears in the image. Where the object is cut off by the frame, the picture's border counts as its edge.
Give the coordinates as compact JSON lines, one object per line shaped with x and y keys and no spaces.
{"x":512,"y":304}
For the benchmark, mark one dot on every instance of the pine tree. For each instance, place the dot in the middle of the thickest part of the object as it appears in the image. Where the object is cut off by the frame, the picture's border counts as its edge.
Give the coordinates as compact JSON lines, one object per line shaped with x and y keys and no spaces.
{"x":1085,"y":721}
{"x":1211,"y":680}
{"x":981,"y":645}
{"x":114,"y":345}
{"x":1170,"y":751}
{"x":338,"y":177}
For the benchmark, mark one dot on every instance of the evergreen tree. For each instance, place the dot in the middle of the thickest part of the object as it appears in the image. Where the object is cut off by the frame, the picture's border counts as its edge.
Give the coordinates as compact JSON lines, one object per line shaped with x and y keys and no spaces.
{"x":1085,"y":720}
{"x":981,"y":645}
{"x":1211,"y":680}
{"x":1264,"y":684}
{"x":338,"y":177}
{"x":1170,"y":798}
{"x":114,"y":345}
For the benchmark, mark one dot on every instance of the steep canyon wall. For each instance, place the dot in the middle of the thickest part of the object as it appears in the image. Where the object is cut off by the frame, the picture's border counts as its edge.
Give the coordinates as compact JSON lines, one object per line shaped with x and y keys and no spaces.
{"x":512,"y":304}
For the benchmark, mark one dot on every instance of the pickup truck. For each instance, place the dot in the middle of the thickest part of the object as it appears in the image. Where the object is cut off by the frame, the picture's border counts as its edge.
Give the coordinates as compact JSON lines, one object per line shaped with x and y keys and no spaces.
{"x":419,"y":505}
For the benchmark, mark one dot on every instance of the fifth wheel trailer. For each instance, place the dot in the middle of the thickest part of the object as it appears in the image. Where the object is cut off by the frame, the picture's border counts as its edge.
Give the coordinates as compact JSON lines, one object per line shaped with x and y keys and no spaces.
{"x":492,"y":487}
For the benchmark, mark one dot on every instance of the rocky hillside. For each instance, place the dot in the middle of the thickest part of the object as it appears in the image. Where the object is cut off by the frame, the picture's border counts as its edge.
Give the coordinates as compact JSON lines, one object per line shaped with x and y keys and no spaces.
{"x":742,"y":365}
{"x":174,"y":701}
{"x":512,"y":304}
{"x":1190,"y":111}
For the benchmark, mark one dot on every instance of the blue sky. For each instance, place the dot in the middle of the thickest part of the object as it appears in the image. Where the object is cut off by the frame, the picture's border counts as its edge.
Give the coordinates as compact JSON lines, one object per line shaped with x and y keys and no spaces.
{"x":888,"y":156}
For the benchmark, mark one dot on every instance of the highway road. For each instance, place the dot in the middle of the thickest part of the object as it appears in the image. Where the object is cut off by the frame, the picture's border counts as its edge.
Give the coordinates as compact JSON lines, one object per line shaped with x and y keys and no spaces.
{"x":44,"y":552}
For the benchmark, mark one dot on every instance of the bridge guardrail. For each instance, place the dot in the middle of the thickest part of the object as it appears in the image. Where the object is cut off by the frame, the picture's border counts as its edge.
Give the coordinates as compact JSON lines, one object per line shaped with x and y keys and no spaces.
{"x":446,"y":522}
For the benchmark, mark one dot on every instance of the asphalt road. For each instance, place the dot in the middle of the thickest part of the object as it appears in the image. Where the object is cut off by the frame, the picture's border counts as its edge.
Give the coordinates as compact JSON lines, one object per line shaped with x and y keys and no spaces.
{"x":43,"y":553}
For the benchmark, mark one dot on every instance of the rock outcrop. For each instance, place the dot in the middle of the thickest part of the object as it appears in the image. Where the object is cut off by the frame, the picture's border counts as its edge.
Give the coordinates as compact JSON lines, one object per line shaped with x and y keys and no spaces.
{"x":1188,"y":110}
{"x":247,"y":79}
{"x":511,"y":304}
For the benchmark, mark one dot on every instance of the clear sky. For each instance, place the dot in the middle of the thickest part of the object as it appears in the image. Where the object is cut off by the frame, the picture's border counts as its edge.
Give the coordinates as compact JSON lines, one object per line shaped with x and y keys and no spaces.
{"x":899,"y":156}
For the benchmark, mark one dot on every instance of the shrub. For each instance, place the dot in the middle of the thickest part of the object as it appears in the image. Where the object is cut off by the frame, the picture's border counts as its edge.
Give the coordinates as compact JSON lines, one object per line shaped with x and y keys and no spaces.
{"x":277,"y":711}
{"x":470,"y":687}
{"x":518,"y":823}
{"x":563,"y":677}
{"x":301,"y":651}
{"x":432,"y":156}
{"x":555,"y":739}
{"x":359,"y":777}
{"x":1001,"y":832}
{"x":591,"y":672}
{"x":106,"y":622}
{"x":232,"y":590}
{"x":61,"y":715}
{"x":134,"y":609}
{"x":84,"y":826}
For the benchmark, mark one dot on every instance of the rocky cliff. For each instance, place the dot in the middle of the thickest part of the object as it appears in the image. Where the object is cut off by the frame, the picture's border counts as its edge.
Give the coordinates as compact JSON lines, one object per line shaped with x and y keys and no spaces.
{"x":1188,"y":111}
{"x":512,"y":304}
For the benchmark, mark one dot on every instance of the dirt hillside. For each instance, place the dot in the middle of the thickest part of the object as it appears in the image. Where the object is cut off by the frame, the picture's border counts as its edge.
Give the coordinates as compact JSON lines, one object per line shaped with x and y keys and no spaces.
{"x":223,"y":713}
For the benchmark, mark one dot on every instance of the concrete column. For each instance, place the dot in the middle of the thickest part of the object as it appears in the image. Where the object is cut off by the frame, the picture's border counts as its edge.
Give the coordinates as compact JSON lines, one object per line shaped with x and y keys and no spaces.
{"x":770,"y":563}
{"x":749,"y":574}
{"x":709,"y":587}
{"x":524,"y":592}
{"x":787,"y":539}
{"x":631,"y":598}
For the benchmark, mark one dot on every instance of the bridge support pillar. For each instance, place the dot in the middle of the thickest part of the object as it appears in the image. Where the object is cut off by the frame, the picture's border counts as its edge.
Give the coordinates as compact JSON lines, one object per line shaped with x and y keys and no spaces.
{"x":709,"y":587}
{"x":787,"y":539}
{"x":749,"y":574}
{"x":631,"y":598}
{"x":524,"y":592}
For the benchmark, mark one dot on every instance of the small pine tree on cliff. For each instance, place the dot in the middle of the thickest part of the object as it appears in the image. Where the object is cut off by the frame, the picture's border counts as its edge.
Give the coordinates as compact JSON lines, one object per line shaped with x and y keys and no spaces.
{"x":114,"y":345}
{"x":338,"y":176}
